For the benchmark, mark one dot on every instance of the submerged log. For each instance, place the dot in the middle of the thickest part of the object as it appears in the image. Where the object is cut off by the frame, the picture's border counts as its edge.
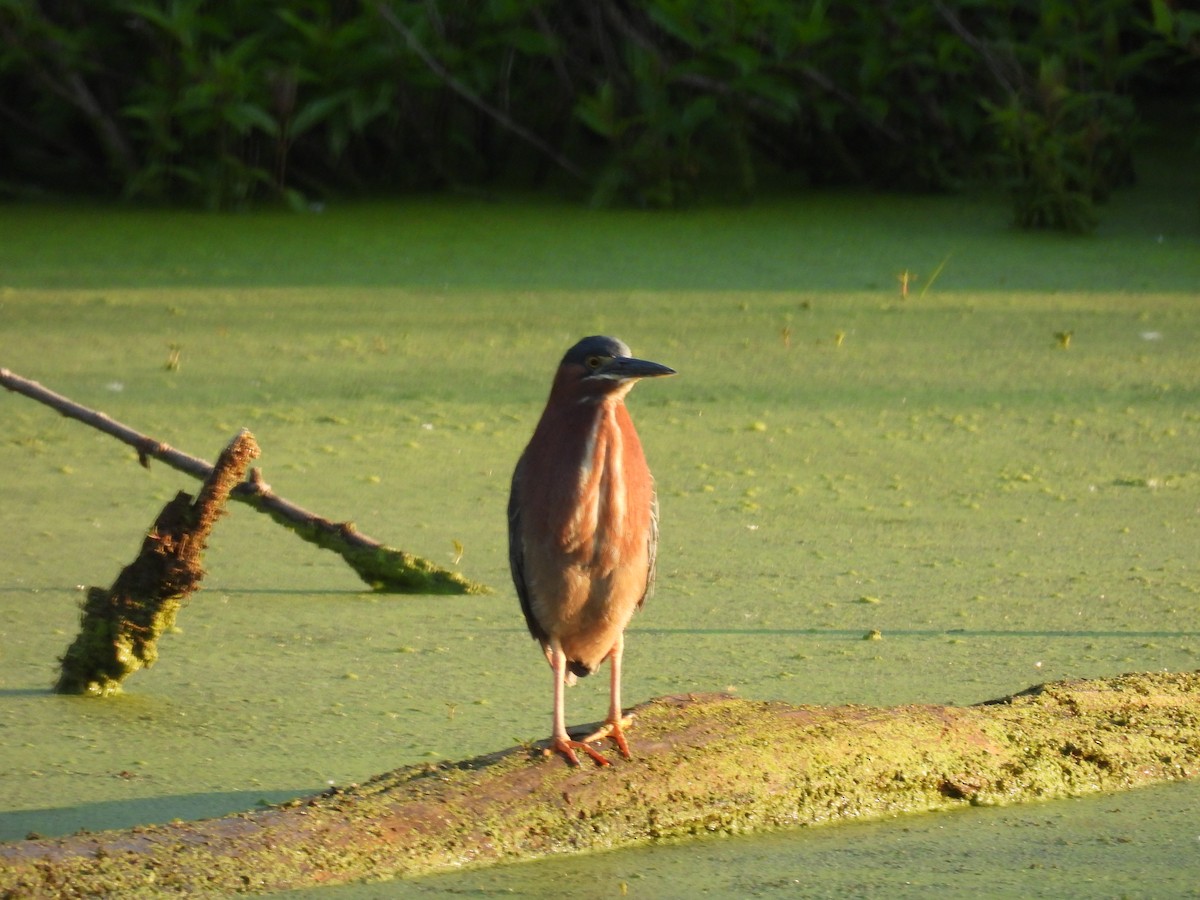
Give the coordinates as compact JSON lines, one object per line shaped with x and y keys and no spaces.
{"x":120,"y":627}
{"x":384,"y":568}
{"x":701,"y":764}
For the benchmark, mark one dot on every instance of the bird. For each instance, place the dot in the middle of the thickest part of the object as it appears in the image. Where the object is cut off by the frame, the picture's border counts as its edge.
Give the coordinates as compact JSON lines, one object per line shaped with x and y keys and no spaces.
{"x":583,"y":527}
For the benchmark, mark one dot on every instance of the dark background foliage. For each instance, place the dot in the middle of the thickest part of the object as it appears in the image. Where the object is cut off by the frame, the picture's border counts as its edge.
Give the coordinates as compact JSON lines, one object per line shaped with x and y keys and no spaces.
{"x":651,"y":103}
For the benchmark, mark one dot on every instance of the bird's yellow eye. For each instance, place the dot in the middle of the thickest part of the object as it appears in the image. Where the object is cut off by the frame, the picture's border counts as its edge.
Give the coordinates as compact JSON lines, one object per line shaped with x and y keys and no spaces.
{"x":594,"y":362}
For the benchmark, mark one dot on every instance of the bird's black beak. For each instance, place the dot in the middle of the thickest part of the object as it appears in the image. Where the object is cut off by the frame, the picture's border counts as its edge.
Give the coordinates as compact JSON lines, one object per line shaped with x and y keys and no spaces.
{"x":624,"y":368}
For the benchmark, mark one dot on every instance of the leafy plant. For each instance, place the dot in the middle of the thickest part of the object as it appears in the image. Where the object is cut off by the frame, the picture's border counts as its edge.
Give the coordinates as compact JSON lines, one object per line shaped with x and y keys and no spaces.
{"x":1065,"y":150}
{"x":650,"y":103}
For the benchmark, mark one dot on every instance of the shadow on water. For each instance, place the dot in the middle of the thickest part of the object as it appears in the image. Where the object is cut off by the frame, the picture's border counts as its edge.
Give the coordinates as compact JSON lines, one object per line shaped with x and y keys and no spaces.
{"x":213,"y":589}
{"x":857,"y":633}
{"x":117,"y":814}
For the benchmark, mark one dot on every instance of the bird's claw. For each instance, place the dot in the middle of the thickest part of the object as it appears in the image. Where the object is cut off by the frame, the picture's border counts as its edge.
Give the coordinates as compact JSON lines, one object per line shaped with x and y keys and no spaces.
{"x":612,"y":729}
{"x":616,"y":730}
{"x":567,"y":748}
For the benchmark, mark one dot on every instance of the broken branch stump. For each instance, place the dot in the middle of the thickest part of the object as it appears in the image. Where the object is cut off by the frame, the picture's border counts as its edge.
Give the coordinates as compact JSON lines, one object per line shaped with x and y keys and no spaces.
{"x":120,"y":627}
{"x":384,"y":568}
{"x":702,"y":764}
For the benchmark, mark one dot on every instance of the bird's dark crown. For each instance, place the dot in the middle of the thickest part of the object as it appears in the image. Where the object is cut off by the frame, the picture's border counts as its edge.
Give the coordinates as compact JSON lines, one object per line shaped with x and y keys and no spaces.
{"x":603,"y":365}
{"x":598,"y":345}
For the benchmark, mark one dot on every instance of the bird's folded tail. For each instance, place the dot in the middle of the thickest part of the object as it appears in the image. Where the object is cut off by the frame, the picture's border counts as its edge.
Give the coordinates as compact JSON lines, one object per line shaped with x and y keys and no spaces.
{"x":576,"y":670}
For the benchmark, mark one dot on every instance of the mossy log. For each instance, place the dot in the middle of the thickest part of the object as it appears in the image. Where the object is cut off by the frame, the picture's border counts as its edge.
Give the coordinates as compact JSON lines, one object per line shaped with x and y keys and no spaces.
{"x":384,"y":568}
{"x":120,"y":627}
{"x":701,"y":764}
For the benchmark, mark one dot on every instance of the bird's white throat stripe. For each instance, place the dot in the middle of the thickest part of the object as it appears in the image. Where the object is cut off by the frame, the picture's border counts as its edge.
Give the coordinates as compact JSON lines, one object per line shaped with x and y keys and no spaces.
{"x":602,"y":477}
{"x":611,"y":503}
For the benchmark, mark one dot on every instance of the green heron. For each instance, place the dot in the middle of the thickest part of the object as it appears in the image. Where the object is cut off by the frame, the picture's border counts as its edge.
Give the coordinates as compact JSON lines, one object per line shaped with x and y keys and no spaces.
{"x":583,"y":526}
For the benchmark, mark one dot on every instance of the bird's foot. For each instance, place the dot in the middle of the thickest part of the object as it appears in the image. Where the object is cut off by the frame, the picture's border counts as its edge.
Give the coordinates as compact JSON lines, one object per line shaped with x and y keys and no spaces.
{"x":567,"y":748}
{"x":615,"y":729}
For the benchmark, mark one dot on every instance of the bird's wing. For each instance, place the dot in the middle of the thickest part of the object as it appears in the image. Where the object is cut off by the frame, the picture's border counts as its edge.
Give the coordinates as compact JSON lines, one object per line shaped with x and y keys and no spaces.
{"x":652,"y":549}
{"x":516,"y":555}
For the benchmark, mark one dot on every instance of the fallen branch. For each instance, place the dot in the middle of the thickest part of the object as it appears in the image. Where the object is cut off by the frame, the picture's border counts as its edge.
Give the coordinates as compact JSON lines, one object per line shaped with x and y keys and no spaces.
{"x":701,"y":764}
{"x":384,"y":568}
{"x":120,"y":627}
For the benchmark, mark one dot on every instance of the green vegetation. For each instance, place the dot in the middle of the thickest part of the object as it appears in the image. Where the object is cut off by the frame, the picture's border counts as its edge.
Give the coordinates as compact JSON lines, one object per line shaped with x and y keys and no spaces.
{"x":1021,"y":511}
{"x":651,"y":103}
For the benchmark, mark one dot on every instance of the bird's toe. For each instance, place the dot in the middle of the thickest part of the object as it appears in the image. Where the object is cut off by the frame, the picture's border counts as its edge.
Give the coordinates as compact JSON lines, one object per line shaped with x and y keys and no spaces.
{"x":567,"y":748}
{"x":615,"y":729}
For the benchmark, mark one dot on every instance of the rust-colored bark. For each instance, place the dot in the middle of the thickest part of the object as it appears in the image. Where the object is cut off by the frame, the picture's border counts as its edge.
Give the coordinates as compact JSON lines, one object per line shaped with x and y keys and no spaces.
{"x":120,"y":626}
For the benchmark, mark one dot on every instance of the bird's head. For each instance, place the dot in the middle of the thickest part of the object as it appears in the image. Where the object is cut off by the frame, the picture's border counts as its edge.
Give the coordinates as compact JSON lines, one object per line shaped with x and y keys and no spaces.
{"x":600,"y":366}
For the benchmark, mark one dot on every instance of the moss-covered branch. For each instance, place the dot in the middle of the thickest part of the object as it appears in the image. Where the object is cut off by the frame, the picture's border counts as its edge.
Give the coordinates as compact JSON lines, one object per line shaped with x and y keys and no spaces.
{"x":701,"y":764}
{"x":384,"y":568}
{"x":120,"y":626}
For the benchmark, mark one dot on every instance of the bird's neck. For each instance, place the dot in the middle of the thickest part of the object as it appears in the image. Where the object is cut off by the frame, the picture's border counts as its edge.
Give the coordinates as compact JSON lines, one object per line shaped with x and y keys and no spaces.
{"x":601,"y":485}
{"x":602,"y":445}
{"x":588,"y":433}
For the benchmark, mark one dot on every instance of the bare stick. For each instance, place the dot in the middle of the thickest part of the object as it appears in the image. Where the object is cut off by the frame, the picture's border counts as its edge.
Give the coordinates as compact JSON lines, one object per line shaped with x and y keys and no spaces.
{"x":384,"y":568}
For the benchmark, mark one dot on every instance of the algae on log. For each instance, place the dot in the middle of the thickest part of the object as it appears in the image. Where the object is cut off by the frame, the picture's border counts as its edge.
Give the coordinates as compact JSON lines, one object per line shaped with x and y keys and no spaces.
{"x":384,"y":568}
{"x":701,"y":764}
{"x":120,"y":627}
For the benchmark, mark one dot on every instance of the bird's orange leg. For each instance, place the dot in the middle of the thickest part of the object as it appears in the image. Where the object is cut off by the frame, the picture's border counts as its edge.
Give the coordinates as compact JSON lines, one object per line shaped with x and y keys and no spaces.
{"x":614,"y":726}
{"x":560,"y":740}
